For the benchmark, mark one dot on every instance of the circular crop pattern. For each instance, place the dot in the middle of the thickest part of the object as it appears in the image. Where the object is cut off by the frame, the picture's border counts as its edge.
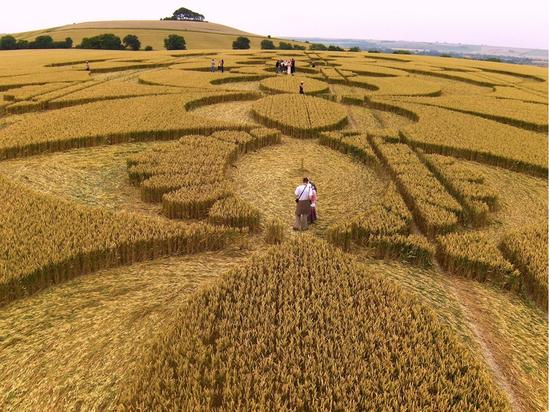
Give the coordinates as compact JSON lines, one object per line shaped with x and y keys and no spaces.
{"x":299,"y":115}
{"x":291,"y":84}
{"x":304,"y":328}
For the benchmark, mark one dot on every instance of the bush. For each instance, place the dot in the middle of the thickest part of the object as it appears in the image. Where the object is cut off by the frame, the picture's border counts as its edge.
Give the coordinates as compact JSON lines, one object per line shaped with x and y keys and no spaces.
{"x":298,"y":47}
{"x":402,"y":52}
{"x":131,"y":41}
{"x":285,"y":45}
{"x":41,"y":42}
{"x":373,"y":51}
{"x":242,"y":43}
{"x":318,"y":47}
{"x":175,"y":42}
{"x":46,"y":42}
{"x":267,"y":45}
{"x":105,"y":41}
{"x":8,"y":43}
{"x":355,"y":49}
{"x":335,"y":48}
{"x":22,"y":44}
{"x":148,"y":48}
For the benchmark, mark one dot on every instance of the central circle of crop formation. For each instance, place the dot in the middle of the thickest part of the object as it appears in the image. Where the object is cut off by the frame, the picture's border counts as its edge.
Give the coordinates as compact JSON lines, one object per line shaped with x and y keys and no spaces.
{"x":299,"y":115}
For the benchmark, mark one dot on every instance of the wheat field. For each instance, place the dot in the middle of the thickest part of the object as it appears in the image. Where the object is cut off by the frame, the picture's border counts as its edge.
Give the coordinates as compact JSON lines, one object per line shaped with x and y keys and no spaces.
{"x":148,"y":261}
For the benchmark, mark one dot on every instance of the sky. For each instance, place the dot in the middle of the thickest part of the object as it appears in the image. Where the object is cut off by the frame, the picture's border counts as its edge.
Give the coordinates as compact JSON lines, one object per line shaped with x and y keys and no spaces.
{"x":489,"y":22}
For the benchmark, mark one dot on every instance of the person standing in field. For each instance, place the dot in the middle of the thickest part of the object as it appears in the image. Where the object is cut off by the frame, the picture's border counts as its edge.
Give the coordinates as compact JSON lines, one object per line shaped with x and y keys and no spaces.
{"x":302,"y":88}
{"x":313,"y":209}
{"x":303,"y":204}
{"x":87,"y":66}
{"x":212,"y":66}
{"x":293,"y":66}
{"x":278,"y":66}
{"x":288,"y":68}
{"x":221,"y":65}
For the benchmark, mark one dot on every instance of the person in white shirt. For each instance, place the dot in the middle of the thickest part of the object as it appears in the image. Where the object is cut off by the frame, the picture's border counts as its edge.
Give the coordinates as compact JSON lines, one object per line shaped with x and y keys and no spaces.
{"x":303,"y":204}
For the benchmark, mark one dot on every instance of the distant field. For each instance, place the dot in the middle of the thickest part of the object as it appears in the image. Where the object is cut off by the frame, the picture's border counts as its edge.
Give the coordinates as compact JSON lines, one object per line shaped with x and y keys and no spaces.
{"x":148,"y":261}
{"x":198,"y":35}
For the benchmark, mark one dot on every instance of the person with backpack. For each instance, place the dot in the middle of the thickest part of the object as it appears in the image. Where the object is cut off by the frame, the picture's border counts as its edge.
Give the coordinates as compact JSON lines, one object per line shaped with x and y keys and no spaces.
{"x":303,"y":204}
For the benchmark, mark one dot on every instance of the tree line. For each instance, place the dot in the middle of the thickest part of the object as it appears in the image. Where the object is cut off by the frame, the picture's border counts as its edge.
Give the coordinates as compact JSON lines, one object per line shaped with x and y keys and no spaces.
{"x":109,"y":41}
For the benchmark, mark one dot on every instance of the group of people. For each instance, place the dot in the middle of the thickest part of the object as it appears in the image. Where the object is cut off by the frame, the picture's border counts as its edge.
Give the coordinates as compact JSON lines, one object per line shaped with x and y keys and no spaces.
{"x":306,"y":204}
{"x":213,"y":66}
{"x":285,"y":66}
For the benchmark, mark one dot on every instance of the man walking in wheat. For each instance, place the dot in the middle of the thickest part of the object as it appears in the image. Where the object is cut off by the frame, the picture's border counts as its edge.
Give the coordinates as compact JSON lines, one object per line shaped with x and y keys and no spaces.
{"x":303,"y":204}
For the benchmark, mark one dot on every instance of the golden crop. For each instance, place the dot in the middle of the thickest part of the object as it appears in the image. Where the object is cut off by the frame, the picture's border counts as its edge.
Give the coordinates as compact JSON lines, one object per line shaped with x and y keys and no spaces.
{"x":299,"y":115}
{"x":29,"y":92}
{"x":397,"y":86}
{"x":7,"y":83}
{"x":466,"y":184}
{"x":529,"y":116}
{"x":527,"y":249}
{"x":194,"y":79}
{"x":274,"y":231}
{"x":354,"y":145}
{"x":513,"y":93}
{"x":114,"y":89}
{"x":476,"y":255}
{"x":46,"y":240}
{"x":188,"y":176}
{"x":140,"y":118}
{"x":471,"y":137}
{"x":435,"y":209}
{"x":287,"y":332}
{"x":234,"y":212}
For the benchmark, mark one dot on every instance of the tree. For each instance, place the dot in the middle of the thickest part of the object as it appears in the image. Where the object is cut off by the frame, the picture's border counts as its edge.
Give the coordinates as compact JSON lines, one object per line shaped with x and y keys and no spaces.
{"x":355,"y":49}
{"x":283,"y":45}
{"x":22,"y":44}
{"x":241,"y":43}
{"x":267,"y":45}
{"x":317,"y":47}
{"x":8,"y":43}
{"x":185,"y":14}
{"x":335,"y":48}
{"x":105,"y":41}
{"x":175,"y":42}
{"x":131,"y":41}
{"x":41,"y":42}
{"x":46,"y":42}
{"x":298,"y":47}
{"x":148,"y":48}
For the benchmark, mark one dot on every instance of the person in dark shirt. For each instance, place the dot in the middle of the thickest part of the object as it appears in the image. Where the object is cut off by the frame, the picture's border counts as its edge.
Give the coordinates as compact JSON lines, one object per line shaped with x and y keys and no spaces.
{"x":278,"y":66}
{"x":293,"y":66}
{"x":302,"y":88}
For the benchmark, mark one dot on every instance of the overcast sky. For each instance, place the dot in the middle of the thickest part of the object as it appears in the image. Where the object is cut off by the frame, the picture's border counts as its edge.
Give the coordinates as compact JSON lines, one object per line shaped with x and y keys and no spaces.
{"x":492,"y":22}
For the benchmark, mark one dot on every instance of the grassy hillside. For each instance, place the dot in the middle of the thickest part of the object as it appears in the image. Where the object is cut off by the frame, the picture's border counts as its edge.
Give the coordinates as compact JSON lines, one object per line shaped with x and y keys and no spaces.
{"x":198,"y":35}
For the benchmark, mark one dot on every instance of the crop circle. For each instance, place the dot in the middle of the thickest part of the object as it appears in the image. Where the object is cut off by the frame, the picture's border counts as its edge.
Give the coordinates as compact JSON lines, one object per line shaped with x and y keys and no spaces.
{"x":299,"y":115}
